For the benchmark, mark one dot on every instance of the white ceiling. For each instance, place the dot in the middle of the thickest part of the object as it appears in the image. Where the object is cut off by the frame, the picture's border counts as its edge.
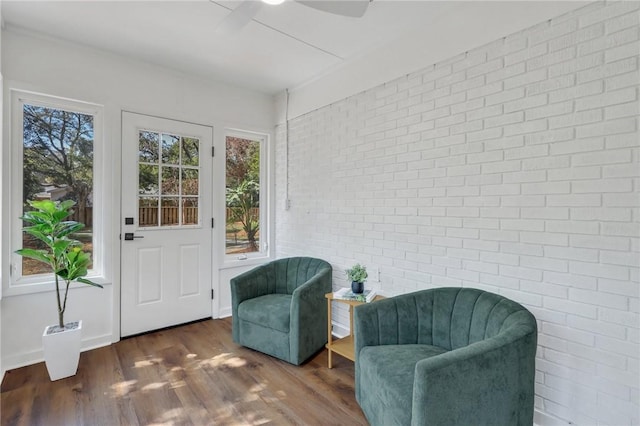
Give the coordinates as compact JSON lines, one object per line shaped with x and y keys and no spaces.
{"x":284,"y":46}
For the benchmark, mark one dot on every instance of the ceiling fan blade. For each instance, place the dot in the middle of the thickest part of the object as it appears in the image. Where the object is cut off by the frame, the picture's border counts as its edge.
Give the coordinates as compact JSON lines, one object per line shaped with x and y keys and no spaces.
{"x":239,"y":17}
{"x":351,"y":8}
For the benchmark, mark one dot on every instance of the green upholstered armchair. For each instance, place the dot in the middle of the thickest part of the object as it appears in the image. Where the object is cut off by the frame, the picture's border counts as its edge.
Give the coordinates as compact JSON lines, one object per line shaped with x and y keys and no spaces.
{"x":279,"y":308}
{"x":445,"y":356}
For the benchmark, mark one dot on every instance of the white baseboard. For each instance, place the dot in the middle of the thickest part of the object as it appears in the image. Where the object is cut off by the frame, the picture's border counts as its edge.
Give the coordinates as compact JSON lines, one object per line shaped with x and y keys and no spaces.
{"x":224,"y":312}
{"x":34,"y":357}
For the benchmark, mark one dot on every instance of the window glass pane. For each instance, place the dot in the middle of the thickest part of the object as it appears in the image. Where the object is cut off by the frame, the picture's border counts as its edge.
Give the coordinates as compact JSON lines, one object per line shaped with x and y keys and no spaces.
{"x":242,"y":195}
{"x":148,"y":180}
{"x":170,"y":211}
{"x":190,"y":211}
{"x":175,"y":181}
{"x":170,"y":149}
{"x":148,"y":147}
{"x":190,"y":151}
{"x":189,"y":182}
{"x":170,"y":180}
{"x":58,"y":165}
{"x":148,"y":211}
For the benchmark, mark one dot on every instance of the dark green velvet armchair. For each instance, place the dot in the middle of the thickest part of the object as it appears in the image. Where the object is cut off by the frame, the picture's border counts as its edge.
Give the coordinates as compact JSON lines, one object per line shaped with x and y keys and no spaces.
{"x":445,"y":356}
{"x":279,"y":308}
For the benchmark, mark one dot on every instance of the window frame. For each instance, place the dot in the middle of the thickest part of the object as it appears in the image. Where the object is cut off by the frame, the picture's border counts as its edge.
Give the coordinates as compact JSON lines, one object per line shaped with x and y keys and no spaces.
{"x":199,"y":196}
{"x":17,"y":283}
{"x":265,"y":199}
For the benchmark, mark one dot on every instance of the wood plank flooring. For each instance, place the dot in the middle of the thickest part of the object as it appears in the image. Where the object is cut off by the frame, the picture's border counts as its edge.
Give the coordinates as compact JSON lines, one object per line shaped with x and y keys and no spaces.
{"x":188,"y":375}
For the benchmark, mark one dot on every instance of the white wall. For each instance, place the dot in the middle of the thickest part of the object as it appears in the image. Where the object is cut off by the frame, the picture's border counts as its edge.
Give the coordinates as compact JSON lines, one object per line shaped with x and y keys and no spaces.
{"x":72,"y":71}
{"x":513,"y":167}
{"x":474,"y":24}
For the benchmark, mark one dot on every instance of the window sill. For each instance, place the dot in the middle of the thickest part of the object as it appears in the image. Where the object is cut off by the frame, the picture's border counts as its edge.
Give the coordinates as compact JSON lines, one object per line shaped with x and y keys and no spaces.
{"x":47,"y":286}
{"x":232,"y":262}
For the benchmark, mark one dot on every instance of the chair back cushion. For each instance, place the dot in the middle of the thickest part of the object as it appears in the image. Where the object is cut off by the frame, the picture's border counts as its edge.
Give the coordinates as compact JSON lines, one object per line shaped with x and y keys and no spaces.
{"x":451,"y":318}
{"x":289,"y":273}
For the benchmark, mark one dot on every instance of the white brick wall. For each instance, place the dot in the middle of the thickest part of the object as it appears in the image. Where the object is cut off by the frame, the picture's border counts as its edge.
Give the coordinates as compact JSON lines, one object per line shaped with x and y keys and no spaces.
{"x":514,"y":167}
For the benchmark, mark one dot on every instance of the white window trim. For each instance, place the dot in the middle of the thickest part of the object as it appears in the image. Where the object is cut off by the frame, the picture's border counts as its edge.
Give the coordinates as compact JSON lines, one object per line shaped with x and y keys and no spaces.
{"x":201,"y":220}
{"x":233,"y":260}
{"x":17,"y":284}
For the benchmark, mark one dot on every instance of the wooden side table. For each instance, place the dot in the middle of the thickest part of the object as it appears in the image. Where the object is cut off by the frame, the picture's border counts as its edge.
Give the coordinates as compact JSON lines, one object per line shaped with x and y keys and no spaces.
{"x":343,"y":346}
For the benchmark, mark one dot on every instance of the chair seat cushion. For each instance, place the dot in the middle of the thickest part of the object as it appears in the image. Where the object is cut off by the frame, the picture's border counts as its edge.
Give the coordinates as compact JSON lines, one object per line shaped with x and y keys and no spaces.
{"x":271,"y":310}
{"x":387,"y":373}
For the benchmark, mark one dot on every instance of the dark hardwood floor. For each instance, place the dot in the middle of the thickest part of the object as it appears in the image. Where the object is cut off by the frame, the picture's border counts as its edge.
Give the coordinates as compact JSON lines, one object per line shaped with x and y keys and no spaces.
{"x":188,"y":375}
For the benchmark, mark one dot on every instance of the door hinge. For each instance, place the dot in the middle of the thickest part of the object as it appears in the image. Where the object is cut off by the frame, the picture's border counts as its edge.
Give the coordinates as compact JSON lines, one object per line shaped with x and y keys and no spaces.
{"x":213,"y":221}
{"x":213,"y":151}
{"x":211,"y":294}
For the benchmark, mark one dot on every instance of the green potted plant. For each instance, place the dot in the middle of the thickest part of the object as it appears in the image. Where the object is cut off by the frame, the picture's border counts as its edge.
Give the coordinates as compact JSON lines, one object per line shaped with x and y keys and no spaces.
{"x":357,"y":274}
{"x":68,"y":263}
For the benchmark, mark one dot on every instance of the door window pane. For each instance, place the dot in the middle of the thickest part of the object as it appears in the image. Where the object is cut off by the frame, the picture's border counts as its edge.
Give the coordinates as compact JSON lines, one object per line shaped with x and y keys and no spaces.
{"x":58,"y":165}
{"x":148,"y":180}
{"x":190,"y":152}
{"x":170,"y":211}
{"x":168,"y":179}
{"x":190,"y":211}
{"x":170,"y":149}
{"x":148,"y":147}
{"x":189,"y":182}
{"x":148,"y":211}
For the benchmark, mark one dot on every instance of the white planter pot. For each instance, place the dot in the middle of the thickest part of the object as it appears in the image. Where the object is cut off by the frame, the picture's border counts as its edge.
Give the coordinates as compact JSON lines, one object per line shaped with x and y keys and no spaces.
{"x":62,"y":351}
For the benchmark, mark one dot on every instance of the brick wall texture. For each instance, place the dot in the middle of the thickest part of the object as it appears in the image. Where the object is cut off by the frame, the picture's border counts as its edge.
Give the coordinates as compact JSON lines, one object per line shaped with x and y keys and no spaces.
{"x":514,"y":168}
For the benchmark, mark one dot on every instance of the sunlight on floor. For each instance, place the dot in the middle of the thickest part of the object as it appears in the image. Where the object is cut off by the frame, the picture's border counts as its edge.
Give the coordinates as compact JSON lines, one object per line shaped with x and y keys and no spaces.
{"x":175,"y":372}
{"x":121,"y":389}
{"x":224,"y":360}
{"x":178,"y":384}
{"x":258,"y":387}
{"x":154,"y":386}
{"x":147,"y":362}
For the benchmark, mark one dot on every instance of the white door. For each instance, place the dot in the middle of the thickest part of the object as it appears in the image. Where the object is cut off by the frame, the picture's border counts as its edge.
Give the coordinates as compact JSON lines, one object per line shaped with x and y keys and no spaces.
{"x":166,"y":223}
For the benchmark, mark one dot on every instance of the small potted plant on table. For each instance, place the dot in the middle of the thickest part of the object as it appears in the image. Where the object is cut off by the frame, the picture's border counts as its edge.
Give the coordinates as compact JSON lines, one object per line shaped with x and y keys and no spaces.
{"x":357,"y":274}
{"x":64,"y":255}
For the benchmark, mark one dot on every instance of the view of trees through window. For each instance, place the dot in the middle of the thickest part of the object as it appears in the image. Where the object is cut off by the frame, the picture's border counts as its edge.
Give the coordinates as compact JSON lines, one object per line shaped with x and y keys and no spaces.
{"x":168,"y":179}
{"x":58,"y":165}
{"x":242,"y":195}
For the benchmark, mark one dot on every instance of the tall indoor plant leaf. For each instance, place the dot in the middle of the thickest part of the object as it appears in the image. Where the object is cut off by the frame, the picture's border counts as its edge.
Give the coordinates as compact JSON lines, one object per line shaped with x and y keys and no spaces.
{"x":63,"y":254}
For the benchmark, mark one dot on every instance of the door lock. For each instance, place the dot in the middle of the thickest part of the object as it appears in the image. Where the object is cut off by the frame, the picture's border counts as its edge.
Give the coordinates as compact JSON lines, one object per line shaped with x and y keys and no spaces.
{"x":128,"y":236}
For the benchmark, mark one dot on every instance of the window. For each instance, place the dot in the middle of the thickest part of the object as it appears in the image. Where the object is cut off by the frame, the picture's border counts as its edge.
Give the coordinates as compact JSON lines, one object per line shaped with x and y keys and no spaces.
{"x":55,"y":142}
{"x":168,"y":179}
{"x":246,"y":210}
